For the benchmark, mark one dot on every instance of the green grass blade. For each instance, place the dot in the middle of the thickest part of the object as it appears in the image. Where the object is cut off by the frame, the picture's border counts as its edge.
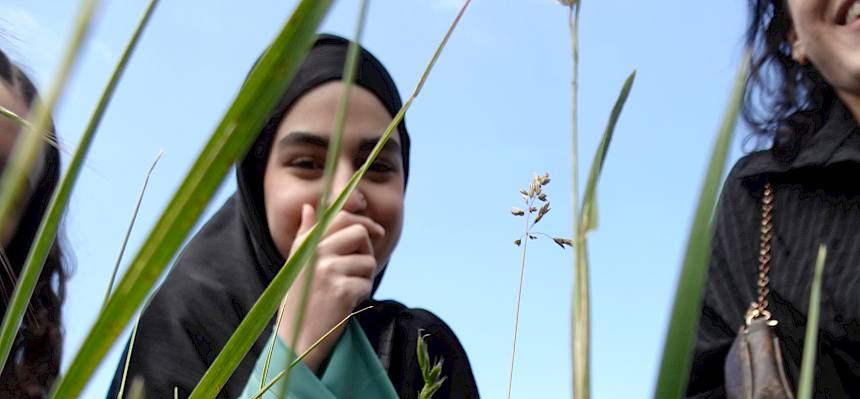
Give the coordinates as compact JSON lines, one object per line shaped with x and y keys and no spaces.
{"x":349,"y":70}
{"x":128,"y":359}
{"x":294,"y":362}
{"x":47,"y":136}
{"x":810,"y":344}
{"x":587,"y":222}
{"x":588,"y":218}
{"x":228,"y":143}
{"x":580,"y":388}
{"x":136,"y":391}
{"x":581,"y":323}
{"x":263,"y":310}
{"x":8,"y":114}
{"x":50,"y":224}
{"x":130,"y":227}
{"x":681,"y":334}
{"x":28,"y":148}
{"x":271,"y":350}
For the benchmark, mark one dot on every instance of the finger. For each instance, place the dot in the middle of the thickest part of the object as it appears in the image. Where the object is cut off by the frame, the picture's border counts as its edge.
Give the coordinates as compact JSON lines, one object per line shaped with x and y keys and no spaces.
{"x":344,"y":219}
{"x":308,"y":219}
{"x":362,"y":266}
{"x":353,"y":239}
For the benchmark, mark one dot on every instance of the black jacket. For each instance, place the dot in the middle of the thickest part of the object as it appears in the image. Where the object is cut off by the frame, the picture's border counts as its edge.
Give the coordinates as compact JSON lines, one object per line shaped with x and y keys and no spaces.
{"x":817,"y":201}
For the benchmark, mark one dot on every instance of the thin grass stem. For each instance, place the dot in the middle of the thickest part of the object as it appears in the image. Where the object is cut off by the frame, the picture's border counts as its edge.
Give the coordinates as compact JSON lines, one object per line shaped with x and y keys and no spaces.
{"x":130,"y":226}
{"x":519,"y":296}
{"x":271,"y":348}
{"x":128,"y":359}
{"x":295,"y":362}
{"x":573,"y":22}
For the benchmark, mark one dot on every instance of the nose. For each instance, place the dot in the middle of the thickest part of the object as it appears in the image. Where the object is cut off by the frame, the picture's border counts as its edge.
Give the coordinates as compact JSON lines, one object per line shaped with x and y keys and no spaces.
{"x":357,"y":202}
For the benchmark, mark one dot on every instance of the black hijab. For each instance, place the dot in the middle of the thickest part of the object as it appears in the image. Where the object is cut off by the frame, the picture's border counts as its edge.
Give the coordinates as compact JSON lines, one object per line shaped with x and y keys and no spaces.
{"x":229,"y":263}
{"x":324,"y":63}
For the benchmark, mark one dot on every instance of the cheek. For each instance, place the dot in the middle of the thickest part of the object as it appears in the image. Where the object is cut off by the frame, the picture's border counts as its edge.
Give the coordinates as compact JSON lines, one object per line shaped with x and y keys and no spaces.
{"x":387,"y":210}
{"x":283,"y":212}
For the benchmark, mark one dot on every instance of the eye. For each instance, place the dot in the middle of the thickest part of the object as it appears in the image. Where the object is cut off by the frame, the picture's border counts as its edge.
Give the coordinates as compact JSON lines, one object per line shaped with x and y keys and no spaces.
{"x":381,"y":167}
{"x":307,"y":163}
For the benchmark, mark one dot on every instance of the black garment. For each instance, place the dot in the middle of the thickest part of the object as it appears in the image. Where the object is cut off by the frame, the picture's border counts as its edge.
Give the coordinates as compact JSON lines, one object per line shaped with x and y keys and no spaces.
{"x":229,"y":263}
{"x":817,"y":201}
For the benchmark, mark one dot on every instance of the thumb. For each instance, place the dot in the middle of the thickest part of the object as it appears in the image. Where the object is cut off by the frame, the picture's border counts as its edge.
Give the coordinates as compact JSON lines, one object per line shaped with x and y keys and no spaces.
{"x":308,"y":219}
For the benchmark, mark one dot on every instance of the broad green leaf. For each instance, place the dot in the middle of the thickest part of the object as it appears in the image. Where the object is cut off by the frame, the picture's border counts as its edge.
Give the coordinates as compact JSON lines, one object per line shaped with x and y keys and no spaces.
{"x":681,"y":334}
{"x":810,"y":344}
{"x":228,"y":143}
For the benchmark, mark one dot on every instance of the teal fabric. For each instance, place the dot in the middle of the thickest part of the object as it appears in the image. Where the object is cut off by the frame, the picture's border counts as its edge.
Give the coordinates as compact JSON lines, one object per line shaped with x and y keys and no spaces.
{"x":353,"y":371}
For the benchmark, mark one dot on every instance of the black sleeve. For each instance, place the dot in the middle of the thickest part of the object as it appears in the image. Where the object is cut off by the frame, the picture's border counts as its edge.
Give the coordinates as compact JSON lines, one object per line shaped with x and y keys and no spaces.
{"x":179,"y":336}
{"x":730,"y":279}
{"x":165,"y":353}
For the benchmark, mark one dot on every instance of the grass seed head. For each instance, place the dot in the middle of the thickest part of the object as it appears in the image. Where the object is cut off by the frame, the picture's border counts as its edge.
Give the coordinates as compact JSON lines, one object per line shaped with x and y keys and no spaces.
{"x":544,"y":180}
{"x":545,"y":208}
{"x":517,"y":211}
{"x":563,"y":241}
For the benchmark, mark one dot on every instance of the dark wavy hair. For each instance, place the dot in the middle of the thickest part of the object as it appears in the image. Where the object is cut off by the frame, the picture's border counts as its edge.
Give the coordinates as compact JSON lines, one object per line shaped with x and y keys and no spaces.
{"x":785,"y":101}
{"x":34,"y":361}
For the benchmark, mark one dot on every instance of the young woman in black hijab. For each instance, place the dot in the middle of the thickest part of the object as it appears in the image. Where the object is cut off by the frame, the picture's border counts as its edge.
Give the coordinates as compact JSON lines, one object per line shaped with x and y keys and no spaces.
{"x":34,"y":361}
{"x":231,"y":260}
{"x":804,"y":94}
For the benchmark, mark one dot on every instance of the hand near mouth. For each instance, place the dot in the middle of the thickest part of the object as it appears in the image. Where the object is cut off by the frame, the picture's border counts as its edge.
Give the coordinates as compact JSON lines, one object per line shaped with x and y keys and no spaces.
{"x":345,"y":268}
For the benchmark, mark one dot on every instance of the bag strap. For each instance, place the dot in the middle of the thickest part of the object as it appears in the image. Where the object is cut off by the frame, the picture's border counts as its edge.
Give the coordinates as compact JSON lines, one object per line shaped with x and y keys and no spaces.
{"x":758,"y":309}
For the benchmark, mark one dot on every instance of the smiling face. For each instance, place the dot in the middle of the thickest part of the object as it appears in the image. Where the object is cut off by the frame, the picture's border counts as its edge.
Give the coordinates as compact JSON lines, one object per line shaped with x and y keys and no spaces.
{"x":294,"y":168}
{"x":10,"y":99}
{"x":827,"y":33}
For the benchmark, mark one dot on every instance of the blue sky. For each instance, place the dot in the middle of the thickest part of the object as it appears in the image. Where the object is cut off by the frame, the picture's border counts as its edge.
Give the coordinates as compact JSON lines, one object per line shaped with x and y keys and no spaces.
{"x":495,"y":110}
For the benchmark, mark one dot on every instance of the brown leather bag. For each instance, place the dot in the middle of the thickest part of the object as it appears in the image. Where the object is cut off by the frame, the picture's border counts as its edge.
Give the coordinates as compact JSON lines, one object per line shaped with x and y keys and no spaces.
{"x":754,"y":367}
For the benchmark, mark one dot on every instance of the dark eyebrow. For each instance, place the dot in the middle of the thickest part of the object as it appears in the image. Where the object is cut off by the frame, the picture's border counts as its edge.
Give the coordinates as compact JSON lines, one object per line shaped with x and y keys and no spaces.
{"x":366,"y":146}
{"x":303,"y":138}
